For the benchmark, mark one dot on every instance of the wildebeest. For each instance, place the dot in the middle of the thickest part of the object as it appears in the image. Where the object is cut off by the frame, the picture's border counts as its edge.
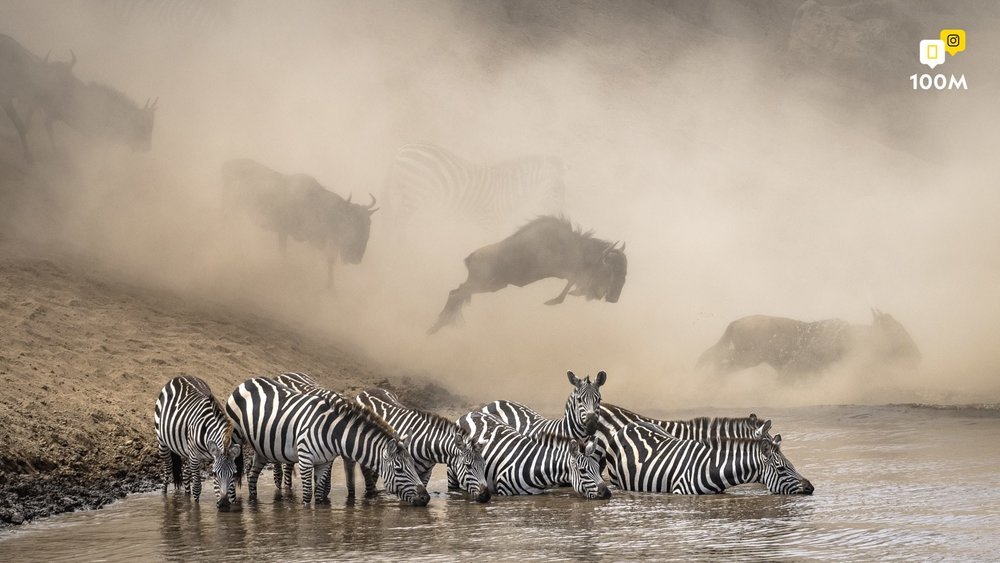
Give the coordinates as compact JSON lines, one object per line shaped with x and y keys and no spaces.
{"x":33,"y":82}
{"x":547,"y":247}
{"x":101,"y":112}
{"x":297,"y":205}
{"x":791,"y":346}
{"x":94,"y":110}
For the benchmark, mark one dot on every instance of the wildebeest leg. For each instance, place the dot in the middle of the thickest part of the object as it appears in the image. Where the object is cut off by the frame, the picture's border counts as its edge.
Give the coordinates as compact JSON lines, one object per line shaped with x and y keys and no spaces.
{"x":562,"y":296}
{"x":461,"y":295}
{"x":329,"y":272}
{"x":22,"y":131}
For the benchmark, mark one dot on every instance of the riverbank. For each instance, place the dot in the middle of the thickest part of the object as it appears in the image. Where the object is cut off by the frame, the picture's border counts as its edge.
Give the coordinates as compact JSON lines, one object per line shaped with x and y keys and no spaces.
{"x":83,"y":357}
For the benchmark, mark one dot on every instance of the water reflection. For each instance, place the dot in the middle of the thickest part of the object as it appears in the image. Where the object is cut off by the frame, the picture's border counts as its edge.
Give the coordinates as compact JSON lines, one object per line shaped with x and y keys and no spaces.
{"x":891,"y":484}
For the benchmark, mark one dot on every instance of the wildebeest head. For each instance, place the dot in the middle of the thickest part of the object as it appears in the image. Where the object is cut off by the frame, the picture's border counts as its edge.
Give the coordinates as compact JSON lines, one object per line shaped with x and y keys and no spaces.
{"x":893,"y":342}
{"x":353,"y":226}
{"x":609,"y":274}
{"x":138,"y":132}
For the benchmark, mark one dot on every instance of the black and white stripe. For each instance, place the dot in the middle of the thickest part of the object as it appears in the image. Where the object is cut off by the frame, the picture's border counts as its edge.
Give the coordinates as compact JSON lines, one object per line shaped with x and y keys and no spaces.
{"x":580,"y":417}
{"x":528,"y":465}
{"x":427,"y":178}
{"x":612,"y":418}
{"x":286,"y":426}
{"x":433,"y":439}
{"x":191,"y":428}
{"x":643,"y":457}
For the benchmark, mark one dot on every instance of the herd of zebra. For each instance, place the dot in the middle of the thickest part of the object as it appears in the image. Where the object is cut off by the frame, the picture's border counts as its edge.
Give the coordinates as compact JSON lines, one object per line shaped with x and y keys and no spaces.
{"x":504,"y":448}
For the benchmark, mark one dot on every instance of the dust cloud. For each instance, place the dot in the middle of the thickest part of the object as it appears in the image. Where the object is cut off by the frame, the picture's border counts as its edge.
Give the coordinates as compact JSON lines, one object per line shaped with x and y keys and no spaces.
{"x":744,"y":177}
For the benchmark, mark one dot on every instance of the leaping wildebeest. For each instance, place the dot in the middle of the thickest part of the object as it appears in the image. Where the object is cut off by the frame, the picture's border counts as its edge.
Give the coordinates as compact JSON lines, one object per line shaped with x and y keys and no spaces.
{"x":547,"y":247}
{"x":796,"y":347}
{"x":33,"y":82}
{"x":297,"y":205}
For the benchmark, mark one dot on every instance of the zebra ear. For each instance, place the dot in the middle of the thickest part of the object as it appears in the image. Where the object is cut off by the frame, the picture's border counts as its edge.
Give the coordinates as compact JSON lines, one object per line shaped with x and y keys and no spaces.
{"x":404,"y":441}
{"x":601,"y":378}
{"x":776,"y":440}
{"x":235,"y":450}
{"x":753,"y":419}
{"x":572,"y":378}
{"x":589,"y":450}
{"x":214,"y":449}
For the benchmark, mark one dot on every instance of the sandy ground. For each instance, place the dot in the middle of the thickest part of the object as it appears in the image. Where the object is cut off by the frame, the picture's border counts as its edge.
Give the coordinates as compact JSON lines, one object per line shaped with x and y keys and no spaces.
{"x":82,"y":360}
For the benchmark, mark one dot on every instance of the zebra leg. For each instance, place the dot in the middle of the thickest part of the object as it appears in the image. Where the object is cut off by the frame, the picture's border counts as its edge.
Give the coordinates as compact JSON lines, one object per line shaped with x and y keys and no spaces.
{"x":306,"y":473}
{"x":278,"y":475}
{"x":452,"y":480}
{"x":254,"y":472}
{"x":168,"y":467}
{"x":22,"y":131}
{"x":425,"y":476}
{"x":194,"y":477}
{"x":323,"y":483}
{"x":289,"y":469}
{"x":370,"y":479}
{"x":349,"y":475}
{"x":562,"y":296}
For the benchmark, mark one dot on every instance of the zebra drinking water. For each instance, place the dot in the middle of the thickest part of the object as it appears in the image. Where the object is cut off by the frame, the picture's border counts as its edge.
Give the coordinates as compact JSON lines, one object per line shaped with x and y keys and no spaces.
{"x":191,"y":428}
{"x":433,"y":439}
{"x":613,"y":418}
{"x":644,"y":457}
{"x":580,"y":418}
{"x":285,"y":426}
{"x":528,"y":465}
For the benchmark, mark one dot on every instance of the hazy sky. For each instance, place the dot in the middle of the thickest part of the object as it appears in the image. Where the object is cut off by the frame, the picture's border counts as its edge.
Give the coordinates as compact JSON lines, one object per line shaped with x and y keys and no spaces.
{"x":755,"y":160}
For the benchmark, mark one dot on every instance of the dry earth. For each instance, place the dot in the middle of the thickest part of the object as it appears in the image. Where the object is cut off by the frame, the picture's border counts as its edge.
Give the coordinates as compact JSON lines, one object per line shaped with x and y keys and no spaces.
{"x":82,"y":360}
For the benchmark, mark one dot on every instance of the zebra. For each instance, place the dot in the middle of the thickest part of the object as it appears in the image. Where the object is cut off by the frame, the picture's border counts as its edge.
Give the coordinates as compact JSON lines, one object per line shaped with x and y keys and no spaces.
{"x":644,"y":457}
{"x":580,"y":417}
{"x":192,"y":428}
{"x":304,"y":383}
{"x":528,"y":465}
{"x":433,"y":439}
{"x":285,"y":426}
{"x":612,"y":418}
{"x":425,"y":177}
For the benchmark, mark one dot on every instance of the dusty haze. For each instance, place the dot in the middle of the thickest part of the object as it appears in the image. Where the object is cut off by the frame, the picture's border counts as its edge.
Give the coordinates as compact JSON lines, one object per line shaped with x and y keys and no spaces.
{"x":745,"y":178}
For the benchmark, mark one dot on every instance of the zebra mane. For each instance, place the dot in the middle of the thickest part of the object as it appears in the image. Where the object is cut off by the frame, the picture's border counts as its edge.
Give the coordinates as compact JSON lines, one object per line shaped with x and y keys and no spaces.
{"x":113,"y":93}
{"x":560,"y":220}
{"x":366,"y":415}
{"x":551,"y":438}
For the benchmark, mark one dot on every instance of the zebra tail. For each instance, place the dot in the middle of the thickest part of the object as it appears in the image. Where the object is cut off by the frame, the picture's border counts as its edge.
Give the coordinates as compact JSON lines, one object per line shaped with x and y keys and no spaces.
{"x":177,"y":470}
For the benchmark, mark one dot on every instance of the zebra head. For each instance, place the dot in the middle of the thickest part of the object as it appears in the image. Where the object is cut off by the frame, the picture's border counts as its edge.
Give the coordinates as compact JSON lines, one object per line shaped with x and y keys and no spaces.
{"x":585,"y":402}
{"x":399,"y":474}
{"x":585,"y":470}
{"x":470,"y":468}
{"x":777,"y":473}
{"x":227,"y":466}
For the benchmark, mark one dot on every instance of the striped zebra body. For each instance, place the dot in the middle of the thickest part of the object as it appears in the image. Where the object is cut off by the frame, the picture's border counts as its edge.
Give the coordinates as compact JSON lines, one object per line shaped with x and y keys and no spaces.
{"x":191,"y":428}
{"x":433,"y":439}
{"x":645,"y":458}
{"x":528,"y":465}
{"x":613,"y":418}
{"x":304,"y":383}
{"x":286,"y":426}
{"x":426,"y":177}
{"x":580,"y":417}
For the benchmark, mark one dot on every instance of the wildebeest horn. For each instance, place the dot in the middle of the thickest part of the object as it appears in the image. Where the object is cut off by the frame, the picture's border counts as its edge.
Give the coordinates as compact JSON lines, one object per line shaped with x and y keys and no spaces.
{"x":147,"y":104}
{"x":349,"y":196}
{"x":623,"y":247}
{"x":156,"y":99}
{"x":72,"y":61}
{"x":373,"y":200}
{"x":46,"y":59}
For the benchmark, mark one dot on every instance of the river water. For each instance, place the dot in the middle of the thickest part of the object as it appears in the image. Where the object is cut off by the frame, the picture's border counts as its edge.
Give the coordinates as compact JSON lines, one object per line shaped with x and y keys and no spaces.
{"x":892,"y":483}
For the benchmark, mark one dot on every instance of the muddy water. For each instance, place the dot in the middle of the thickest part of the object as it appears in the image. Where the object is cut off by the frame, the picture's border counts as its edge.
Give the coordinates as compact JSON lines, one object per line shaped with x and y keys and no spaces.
{"x":892,"y":483}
